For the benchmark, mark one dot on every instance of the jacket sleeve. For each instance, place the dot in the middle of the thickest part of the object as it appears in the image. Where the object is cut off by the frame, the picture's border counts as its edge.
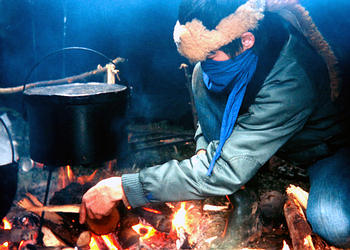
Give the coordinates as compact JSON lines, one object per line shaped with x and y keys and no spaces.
{"x":201,"y":142}
{"x":280,"y":110}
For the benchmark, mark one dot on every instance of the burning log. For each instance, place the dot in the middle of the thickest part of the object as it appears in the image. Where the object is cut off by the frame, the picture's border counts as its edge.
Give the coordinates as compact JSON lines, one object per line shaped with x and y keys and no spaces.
{"x":299,"y":194}
{"x":159,"y":216}
{"x":299,"y":229}
{"x":299,"y":225}
{"x":126,"y":235}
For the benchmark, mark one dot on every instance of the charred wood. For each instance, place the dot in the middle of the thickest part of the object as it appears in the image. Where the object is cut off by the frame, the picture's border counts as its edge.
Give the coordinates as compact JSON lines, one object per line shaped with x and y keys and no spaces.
{"x":126,"y":235}
{"x":158,"y":215}
{"x":17,"y":235}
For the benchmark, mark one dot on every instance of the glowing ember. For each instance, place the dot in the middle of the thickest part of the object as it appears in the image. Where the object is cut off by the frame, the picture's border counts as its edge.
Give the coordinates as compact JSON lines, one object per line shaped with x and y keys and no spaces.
{"x":7,"y":224}
{"x":152,"y":210}
{"x":144,"y":231}
{"x":285,"y":246}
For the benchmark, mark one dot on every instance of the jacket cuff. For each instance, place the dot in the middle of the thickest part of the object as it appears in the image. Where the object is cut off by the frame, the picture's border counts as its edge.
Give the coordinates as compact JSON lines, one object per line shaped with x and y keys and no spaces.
{"x":133,"y":190}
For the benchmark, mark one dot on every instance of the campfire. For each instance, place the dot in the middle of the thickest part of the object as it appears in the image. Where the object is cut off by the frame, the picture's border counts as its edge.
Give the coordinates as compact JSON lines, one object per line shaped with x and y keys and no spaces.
{"x":164,"y":226}
{"x":174,"y":225}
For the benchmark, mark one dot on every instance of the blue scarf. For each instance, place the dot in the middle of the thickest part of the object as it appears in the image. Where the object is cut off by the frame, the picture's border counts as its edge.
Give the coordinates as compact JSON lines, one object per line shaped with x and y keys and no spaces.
{"x":230,"y":76}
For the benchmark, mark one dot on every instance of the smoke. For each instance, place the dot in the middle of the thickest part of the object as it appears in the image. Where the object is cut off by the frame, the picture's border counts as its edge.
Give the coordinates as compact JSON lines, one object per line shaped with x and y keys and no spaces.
{"x":138,"y":30}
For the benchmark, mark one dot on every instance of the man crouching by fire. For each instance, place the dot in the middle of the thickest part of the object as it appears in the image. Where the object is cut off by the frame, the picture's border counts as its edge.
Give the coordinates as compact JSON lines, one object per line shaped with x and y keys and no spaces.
{"x":265,"y":83}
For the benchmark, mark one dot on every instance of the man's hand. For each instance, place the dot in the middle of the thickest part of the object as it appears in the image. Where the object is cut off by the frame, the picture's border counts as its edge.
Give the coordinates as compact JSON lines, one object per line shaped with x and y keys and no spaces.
{"x":99,"y":200}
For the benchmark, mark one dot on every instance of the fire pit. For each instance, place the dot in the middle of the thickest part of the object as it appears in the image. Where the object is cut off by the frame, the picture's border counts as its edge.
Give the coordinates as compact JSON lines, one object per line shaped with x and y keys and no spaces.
{"x":203,"y":224}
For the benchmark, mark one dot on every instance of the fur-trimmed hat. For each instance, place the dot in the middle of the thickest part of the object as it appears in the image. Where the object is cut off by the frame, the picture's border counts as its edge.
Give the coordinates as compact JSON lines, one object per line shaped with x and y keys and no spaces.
{"x":195,"y":41}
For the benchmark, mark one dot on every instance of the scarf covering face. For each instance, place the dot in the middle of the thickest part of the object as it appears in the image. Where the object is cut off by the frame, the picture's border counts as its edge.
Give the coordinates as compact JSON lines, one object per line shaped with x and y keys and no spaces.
{"x":231,"y":76}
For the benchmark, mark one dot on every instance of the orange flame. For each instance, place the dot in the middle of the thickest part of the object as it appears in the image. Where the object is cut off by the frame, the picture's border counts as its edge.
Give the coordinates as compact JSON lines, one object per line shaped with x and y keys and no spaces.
{"x":144,"y":231}
{"x":70,"y":174}
{"x":179,"y":220}
{"x":7,"y":224}
{"x":285,"y":246}
{"x":4,"y":246}
{"x":151,"y":210}
{"x":109,"y":242}
{"x":67,"y":176}
{"x":105,"y":241}
{"x":20,"y":244}
{"x":86,"y":178}
{"x":93,"y":244}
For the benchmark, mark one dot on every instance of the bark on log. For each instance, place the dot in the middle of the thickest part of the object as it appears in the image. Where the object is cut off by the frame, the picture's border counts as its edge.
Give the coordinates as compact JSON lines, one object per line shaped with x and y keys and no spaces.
{"x":300,"y":197}
{"x":126,"y":235}
{"x":299,"y":229}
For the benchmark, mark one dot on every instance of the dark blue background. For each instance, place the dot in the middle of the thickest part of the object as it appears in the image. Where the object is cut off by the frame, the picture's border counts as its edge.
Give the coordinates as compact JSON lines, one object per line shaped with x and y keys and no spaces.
{"x":138,"y":30}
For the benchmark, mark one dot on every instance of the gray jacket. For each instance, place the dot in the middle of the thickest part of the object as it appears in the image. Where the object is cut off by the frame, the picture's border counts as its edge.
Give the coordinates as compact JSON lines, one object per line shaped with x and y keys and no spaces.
{"x":292,"y":115}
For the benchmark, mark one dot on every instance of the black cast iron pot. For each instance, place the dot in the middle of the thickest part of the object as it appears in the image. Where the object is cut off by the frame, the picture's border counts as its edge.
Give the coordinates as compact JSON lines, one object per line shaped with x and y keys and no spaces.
{"x":8,"y":169}
{"x":76,"y":124}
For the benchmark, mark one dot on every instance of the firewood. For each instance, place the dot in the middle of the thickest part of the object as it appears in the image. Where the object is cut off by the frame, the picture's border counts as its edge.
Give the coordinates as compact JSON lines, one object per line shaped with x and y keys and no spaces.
{"x":299,"y":229}
{"x":69,"y":79}
{"x":299,"y":194}
{"x":214,"y":208}
{"x":50,"y":239}
{"x":68,"y":232}
{"x":16,"y":235}
{"x":84,"y":239}
{"x":25,"y":203}
{"x":66,"y":228}
{"x":29,"y":206}
{"x":158,"y":215}
{"x":126,"y":235}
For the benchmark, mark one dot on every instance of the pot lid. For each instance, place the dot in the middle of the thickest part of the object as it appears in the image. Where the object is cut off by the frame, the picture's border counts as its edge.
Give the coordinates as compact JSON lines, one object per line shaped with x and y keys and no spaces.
{"x":75,"y":89}
{"x":75,"y":93}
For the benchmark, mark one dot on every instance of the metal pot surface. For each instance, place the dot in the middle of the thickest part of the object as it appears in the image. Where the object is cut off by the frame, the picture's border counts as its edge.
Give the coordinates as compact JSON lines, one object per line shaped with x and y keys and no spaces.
{"x":76,"y":124}
{"x":8,"y":168}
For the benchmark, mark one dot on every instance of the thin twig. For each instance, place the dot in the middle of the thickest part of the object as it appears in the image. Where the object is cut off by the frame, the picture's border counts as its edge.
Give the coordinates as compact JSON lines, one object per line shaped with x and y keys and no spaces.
{"x":69,"y":79}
